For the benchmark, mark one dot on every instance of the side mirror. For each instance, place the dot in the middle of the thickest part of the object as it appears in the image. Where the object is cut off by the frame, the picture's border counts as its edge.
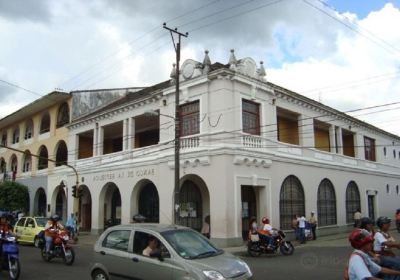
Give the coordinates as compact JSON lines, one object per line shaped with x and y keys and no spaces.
{"x":156,"y":253}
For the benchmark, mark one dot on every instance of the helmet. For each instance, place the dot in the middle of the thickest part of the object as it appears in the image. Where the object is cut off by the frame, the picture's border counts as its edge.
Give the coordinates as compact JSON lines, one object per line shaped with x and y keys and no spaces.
{"x":265,"y":220}
{"x":382,"y":221}
{"x":366,"y":221}
{"x":138,"y":218}
{"x":55,"y":218}
{"x":360,"y":237}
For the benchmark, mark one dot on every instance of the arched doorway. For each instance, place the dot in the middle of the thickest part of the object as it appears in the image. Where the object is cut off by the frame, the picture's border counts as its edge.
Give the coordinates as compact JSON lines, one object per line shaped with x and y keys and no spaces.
{"x":61,"y":153}
{"x":85,"y":208}
{"x":61,"y":204}
{"x":291,"y":201}
{"x":352,"y":201}
{"x":40,"y":203}
{"x":110,"y":204}
{"x":326,"y":203}
{"x":149,"y":204}
{"x":249,"y":208}
{"x":193,"y":202}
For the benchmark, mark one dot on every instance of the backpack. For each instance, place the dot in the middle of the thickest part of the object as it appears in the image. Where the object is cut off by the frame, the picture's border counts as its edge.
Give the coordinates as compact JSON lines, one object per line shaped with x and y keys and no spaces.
{"x":346,"y":269}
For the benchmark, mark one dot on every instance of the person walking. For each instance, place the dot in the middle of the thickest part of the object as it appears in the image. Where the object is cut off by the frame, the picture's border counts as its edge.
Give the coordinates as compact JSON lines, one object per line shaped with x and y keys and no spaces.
{"x":295,"y":227}
{"x":206,"y":227}
{"x":71,"y":225}
{"x":357,"y":218}
{"x":313,"y":221}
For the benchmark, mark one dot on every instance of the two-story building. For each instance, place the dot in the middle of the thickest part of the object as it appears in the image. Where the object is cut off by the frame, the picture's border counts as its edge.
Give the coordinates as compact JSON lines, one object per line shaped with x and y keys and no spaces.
{"x":37,"y":133}
{"x":248,"y":148}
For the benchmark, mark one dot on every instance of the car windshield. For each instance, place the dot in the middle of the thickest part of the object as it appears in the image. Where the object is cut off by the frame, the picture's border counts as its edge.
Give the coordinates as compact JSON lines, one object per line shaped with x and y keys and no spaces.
{"x":41,"y":222}
{"x":190,"y":244}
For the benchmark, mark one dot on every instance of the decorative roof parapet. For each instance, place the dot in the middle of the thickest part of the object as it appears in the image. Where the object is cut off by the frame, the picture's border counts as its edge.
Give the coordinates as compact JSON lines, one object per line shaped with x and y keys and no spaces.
{"x":232,"y":60}
{"x":261,"y":72}
{"x":206,"y":63}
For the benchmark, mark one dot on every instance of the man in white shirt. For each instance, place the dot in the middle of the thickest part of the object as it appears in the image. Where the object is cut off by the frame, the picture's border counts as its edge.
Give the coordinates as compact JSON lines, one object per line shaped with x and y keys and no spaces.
{"x":384,"y":243}
{"x":361,"y":266}
{"x":302,"y":229}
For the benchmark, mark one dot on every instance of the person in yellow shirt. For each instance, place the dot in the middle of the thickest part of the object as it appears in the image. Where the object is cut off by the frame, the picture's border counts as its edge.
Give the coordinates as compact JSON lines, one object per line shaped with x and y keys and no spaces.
{"x":313,"y":221}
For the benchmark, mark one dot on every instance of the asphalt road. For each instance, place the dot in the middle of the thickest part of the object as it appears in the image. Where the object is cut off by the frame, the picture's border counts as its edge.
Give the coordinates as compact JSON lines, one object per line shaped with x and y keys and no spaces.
{"x":318,"y":262}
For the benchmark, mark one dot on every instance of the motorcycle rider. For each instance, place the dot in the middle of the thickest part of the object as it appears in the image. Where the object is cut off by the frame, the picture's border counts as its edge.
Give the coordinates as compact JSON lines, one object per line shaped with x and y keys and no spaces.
{"x":367,"y":224}
{"x":266,"y":233}
{"x":361,"y":266}
{"x":50,"y":230}
{"x":384,"y":243}
{"x":4,"y":230}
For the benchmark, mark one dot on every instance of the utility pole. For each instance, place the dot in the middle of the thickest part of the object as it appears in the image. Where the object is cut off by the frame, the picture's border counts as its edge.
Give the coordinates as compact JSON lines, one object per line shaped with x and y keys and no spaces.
{"x":177,"y":48}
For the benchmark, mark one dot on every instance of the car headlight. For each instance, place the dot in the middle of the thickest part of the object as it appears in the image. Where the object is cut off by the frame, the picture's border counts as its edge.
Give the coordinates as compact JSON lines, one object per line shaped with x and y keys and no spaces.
{"x":247,"y":267}
{"x":213,"y":275}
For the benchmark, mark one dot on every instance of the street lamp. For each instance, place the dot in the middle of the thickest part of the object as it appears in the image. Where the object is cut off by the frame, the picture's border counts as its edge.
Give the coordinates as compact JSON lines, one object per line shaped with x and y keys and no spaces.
{"x":177,"y":154}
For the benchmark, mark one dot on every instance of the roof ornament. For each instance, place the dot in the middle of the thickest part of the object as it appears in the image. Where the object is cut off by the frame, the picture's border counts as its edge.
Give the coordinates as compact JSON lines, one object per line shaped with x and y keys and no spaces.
{"x":206,"y":63}
{"x":173,"y":74}
{"x":232,"y":60}
{"x":261,"y":71}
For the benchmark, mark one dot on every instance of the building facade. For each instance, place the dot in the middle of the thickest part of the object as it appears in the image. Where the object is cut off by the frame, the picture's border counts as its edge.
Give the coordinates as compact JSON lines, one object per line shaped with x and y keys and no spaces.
{"x":37,"y":129}
{"x":248,"y":148}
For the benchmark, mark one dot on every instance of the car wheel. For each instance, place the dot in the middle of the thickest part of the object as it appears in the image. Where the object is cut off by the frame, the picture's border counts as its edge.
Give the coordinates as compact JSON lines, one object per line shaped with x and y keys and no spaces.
{"x":99,"y":274}
{"x":36,"y":242}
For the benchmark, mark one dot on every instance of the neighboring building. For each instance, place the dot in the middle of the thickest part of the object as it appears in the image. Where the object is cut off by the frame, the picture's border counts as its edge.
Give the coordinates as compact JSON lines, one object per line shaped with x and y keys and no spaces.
{"x":37,"y":129}
{"x":248,"y":148}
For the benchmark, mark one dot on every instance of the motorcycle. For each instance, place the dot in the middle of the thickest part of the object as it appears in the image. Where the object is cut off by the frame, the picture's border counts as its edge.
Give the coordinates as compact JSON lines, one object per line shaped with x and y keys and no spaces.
{"x":60,"y":248}
{"x":9,"y":260}
{"x":256,"y":246}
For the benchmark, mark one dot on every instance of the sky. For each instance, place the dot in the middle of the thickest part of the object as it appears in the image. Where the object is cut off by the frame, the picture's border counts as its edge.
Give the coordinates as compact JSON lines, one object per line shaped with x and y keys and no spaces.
{"x":343,"y":53}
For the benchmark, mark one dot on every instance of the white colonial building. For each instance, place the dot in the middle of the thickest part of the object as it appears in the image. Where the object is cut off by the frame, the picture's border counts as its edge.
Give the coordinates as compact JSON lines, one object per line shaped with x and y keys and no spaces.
{"x":248,"y":148}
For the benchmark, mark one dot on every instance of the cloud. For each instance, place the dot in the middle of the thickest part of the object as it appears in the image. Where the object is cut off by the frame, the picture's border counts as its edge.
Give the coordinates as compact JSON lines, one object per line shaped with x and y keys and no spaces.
{"x":25,"y":10}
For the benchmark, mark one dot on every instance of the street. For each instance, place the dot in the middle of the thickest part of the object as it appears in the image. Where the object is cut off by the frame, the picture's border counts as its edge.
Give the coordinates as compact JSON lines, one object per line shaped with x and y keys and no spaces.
{"x":319,"y":260}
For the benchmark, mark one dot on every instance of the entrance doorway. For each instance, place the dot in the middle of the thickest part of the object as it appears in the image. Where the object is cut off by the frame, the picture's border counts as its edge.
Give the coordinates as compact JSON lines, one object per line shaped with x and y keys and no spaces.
{"x":371,"y":207}
{"x":40,"y":203}
{"x":61,"y":205}
{"x":85,"y":209}
{"x":249,"y":208}
{"x":149,"y":205}
{"x":190,"y":212}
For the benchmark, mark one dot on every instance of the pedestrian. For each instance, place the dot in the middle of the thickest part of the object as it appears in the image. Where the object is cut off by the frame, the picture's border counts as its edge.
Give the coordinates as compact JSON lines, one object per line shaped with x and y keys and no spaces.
{"x":398,"y":220}
{"x":361,"y":266}
{"x":302,"y":229}
{"x":206,"y":227}
{"x":384,"y":243}
{"x":295,"y":226}
{"x":71,"y":225}
{"x":313,"y":221}
{"x":357,"y":217}
{"x":253,"y":235}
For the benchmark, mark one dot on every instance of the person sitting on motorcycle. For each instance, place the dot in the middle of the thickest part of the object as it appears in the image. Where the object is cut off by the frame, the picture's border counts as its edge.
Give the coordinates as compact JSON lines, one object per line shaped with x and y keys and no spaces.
{"x":266,"y":233}
{"x":50,"y":230}
{"x":361,"y":266}
{"x":384,"y":243}
{"x":367,"y":224}
{"x":4,"y":226}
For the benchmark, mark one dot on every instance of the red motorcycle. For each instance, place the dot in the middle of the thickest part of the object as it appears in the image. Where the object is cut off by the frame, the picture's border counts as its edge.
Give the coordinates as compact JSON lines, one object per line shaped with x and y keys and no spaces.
{"x":60,"y":248}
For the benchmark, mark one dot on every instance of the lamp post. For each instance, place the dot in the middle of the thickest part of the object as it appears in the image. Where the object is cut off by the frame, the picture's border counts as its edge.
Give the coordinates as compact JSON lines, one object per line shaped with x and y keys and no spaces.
{"x":176,"y":155}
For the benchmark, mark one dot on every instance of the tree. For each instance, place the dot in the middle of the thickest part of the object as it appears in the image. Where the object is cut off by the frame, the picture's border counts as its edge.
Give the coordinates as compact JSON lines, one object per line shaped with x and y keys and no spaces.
{"x":14,"y":196}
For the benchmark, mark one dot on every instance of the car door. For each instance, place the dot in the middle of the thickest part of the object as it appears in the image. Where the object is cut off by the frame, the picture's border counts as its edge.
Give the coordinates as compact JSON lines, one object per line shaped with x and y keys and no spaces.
{"x":113,"y":253}
{"x":20,"y":229}
{"x":29,"y":230}
{"x":148,"y":267}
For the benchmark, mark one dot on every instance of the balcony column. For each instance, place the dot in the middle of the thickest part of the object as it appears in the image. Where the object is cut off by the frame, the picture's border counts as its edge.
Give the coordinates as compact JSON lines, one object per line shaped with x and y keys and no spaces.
{"x":332,"y":140}
{"x":339,"y":140}
{"x":131,"y":134}
{"x":100,"y":141}
{"x":306,"y":131}
{"x":95,"y":139}
{"x":359,"y":148}
{"x":125,"y":134}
